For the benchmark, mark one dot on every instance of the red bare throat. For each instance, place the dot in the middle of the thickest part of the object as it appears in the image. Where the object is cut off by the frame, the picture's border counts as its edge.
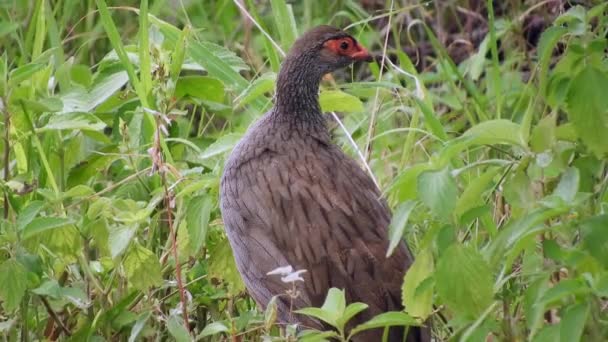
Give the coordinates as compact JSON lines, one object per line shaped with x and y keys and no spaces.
{"x":347,"y":46}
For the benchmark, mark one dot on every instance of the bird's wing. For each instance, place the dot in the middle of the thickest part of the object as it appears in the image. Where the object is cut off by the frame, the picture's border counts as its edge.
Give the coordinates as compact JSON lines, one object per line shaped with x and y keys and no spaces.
{"x":316,"y":211}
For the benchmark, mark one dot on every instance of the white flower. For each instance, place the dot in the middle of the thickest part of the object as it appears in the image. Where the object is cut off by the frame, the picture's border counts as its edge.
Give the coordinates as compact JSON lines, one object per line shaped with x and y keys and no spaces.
{"x":293,"y":277}
{"x":285,"y":270}
{"x":289,"y":275}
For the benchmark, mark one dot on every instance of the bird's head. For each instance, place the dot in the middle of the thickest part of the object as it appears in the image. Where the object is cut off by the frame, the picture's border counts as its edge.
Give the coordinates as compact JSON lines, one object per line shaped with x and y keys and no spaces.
{"x":328,"y":49}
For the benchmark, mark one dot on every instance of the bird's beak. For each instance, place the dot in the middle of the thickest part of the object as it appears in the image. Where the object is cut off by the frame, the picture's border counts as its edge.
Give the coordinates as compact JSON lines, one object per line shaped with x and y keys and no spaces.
{"x":362,"y":54}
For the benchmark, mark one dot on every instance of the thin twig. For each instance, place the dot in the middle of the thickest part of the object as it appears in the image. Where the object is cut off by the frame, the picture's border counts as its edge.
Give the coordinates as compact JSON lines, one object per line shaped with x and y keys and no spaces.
{"x":54,"y":316}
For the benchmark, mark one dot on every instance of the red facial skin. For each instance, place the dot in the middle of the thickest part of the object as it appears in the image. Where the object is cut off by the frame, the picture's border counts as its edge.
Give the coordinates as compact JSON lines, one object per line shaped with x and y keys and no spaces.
{"x":347,"y":46}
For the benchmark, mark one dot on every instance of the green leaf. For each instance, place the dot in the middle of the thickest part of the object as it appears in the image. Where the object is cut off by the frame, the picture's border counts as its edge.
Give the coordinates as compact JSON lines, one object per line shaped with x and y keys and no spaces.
{"x":79,"y":99}
{"x":437,"y":189}
{"x":387,"y":319}
{"x":418,"y":303}
{"x":74,"y":121}
{"x":142,"y":268}
{"x":398,"y":223}
{"x":7,"y":27}
{"x":546,"y":44}
{"x":332,"y":309}
{"x":178,"y":330}
{"x":351,"y":311}
{"x":317,"y":336}
{"x":222,"y":266}
{"x":119,"y":239}
{"x":588,"y":108}
{"x":568,"y":185}
{"x":472,"y":197}
{"x":335,"y":303}
{"x":222,"y":145}
{"x":213,"y":329}
{"x":197,"y":217}
{"x":43,"y":224}
{"x":464,"y":281}
{"x":550,"y":333}
{"x":320,"y":314}
{"x":23,"y":73}
{"x":573,"y":322}
{"x":200,"y":87}
{"x":595,"y":237}
{"x":285,"y":22}
{"x":270,"y":314}
{"x":499,"y":131}
{"x":257,"y":88}
{"x":27,"y":214}
{"x":13,"y":277}
{"x":543,"y":134}
{"x":139,"y":326}
{"x":339,"y":101}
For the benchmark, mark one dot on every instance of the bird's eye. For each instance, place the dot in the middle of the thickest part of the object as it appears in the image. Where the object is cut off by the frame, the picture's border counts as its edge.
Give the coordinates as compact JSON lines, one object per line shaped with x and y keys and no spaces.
{"x":344,"y":46}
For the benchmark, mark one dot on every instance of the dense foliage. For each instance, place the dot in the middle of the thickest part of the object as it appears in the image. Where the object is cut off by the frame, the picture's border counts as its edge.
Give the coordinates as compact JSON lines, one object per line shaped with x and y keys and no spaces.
{"x":486,"y":128}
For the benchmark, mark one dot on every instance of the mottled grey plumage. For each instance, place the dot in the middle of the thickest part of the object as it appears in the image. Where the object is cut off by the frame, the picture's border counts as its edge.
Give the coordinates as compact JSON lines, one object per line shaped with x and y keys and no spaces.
{"x":289,"y":196}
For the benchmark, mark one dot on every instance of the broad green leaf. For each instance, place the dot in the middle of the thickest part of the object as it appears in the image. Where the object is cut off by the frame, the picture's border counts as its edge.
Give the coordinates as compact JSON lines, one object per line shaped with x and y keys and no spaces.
{"x":222,"y":266}
{"x":178,"y":330}
{"x":332,"y":309}
{"x":270,"y":314}
{"x":550,"y":333}
{"x":471,"y":197}
{"x":119,"y":239}
{"x":260,"y":86}
{"x":224,"y":144}
{"x":533,"y":308}
{"x":197,"y":217}
{"x":594,"y":231}
{"x":27,"y":214}
{"x":418,"y":303}
{"x":335,"y":303}
{"x":351,"y":311}
{"x":573,"y":322}
{"x":78,"y":99}
{"x":498,"y":131}
{"x":588,"y":108}
{"x":43,"y":224}
{"x":564,"y":289}
{"x":139,"y":326}
{"x":50,"y":104}
{"x":437,"y":189}
{"x":398,"y":223}
{"x":74,"y":121}
{"x":13,"y":277}
{"x":405,"y":186}
{"x":464,"y":281}
{"x":317,"y":336}
{"x":23,"y":73}
{"x":546,"y":44}
{"x":387,"y":319}
{"x":568,"y":185}
{"x":543,"y":134}
{"x":339,"y":101}
{"x":200,"y":87}
{"x":320,"y":314}
{"x":142,"y":268}
{"x":213,"y":329}
{"x":7,"y":27}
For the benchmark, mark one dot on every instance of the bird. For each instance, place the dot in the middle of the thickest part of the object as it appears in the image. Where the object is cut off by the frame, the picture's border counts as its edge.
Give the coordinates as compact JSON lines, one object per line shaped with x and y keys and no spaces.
{"x":291,"y":197}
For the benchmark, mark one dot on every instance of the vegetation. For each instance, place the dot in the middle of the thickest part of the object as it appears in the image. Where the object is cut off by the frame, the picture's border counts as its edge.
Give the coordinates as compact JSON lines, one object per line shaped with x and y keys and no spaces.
{"x":485,"y":127}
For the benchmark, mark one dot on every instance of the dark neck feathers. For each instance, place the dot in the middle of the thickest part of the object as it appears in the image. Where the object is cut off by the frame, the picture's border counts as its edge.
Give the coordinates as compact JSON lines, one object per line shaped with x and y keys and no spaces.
{"x":297,"y":91}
